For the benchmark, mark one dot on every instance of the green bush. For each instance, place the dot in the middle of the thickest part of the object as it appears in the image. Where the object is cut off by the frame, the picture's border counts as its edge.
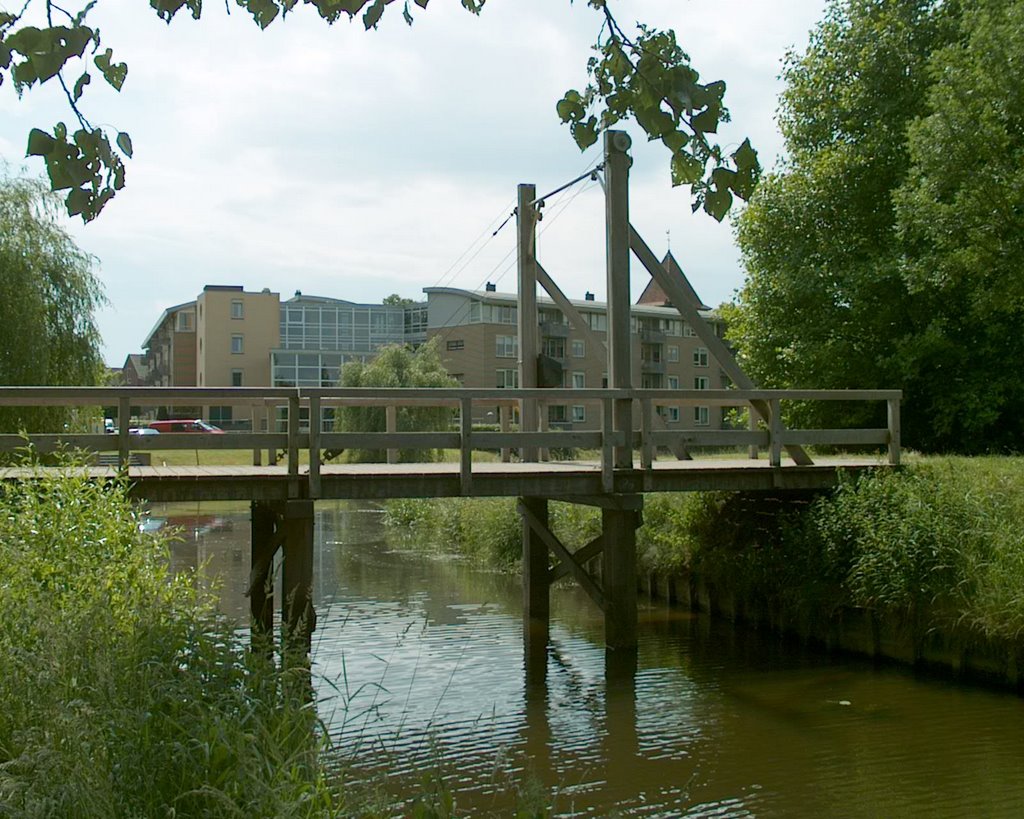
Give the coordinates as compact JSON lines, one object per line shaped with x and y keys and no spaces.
{"x":124,"y":694}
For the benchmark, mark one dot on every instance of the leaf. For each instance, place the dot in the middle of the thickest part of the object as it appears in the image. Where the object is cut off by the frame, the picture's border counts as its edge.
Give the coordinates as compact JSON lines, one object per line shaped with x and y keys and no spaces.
{"x":717,"y":203}
{"x":113,"y":73}
{"x":77,"y":201}
{"x":124,"y":142}
{"x":686,"y":169}
{"x":569,"y":108}
{"x":80,"y":84}
{"x":373,"y":14}
{"x":675,"y":141}
{"x":707,"y":120}
{"x":585,"y":133}
{"x":40,"y":143}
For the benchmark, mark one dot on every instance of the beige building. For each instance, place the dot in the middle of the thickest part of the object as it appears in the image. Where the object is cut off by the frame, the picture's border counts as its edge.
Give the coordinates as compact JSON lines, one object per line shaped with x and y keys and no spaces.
{"x":479,"y":345}
{"x":236,"y":332}
{"x":170,"y":348}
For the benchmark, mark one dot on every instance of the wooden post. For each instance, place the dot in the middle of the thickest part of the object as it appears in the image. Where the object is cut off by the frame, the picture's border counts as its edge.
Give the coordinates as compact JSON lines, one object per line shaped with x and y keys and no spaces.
{"x":261,"y":578}
{"x":752,"y":450}
{"x":536,"y":598}
{"x":257,"y":459}
{"x":775,"y":432}
{"x":504,"y":414}
{"x":314,"y":446}
{"x":894,"y":431}
{"x":527,"y":311}
{"x":297,"y":577}
{"x":293,"y":435}
{"x":607,"y":445}
{"x":648,"y":451}
{"x":465,"y":445}
{"x":391,"y":425}
{"x":620,"y":350}
{"x":124,"y":411}
{"x":619,"y":577}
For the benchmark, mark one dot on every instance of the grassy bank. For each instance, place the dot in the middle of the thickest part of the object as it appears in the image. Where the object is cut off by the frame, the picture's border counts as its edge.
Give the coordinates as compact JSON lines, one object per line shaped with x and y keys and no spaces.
{"x":937,"y":546}
{"x":123,"y":693}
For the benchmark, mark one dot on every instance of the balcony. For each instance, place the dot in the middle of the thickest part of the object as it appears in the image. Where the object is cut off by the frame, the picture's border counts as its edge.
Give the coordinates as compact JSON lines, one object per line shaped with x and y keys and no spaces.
{"x":652,"y":336}
{"x":554,"y":329}
{"x":651,"y":366}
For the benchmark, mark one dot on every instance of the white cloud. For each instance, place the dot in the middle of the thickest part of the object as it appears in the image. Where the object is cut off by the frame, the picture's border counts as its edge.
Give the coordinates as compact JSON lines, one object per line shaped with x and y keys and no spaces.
{"x":355,"y":164}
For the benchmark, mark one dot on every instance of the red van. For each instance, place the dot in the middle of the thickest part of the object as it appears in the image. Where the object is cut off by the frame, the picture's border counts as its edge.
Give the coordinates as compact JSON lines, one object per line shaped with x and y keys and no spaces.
{"x":192,"y":425}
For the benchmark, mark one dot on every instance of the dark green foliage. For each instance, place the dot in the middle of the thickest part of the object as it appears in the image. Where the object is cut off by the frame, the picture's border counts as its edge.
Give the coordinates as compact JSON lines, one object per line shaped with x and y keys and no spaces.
{"x":883,"y":254}
{"x":48,"y":298}
{"x":396,"y":366}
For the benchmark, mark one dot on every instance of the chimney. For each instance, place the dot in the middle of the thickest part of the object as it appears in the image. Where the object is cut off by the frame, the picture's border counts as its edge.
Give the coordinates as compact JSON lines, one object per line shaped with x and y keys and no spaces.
{"x":491,"y":288}
{"x":588,"y":296}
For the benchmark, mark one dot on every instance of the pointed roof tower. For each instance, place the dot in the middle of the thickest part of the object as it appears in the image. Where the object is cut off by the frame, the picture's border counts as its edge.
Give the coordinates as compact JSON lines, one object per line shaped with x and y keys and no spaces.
{"x":654,"y":295}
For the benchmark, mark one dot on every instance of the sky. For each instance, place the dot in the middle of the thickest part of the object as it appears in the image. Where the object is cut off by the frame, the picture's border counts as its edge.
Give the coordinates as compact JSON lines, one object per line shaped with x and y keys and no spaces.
{"x":354,"y":164}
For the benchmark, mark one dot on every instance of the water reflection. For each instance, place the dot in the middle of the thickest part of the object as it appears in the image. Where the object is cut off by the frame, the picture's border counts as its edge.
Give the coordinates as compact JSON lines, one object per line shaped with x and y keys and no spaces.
{"x":421,"y":667}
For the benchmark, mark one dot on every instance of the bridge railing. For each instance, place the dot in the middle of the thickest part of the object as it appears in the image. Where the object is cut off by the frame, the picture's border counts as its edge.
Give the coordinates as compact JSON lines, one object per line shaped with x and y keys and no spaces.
{"x":310,"y":439}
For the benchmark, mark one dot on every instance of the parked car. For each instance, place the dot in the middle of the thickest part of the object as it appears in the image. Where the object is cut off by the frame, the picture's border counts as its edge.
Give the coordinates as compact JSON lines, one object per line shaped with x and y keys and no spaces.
{"x":143,"y":431}
{"x":191,"y":425}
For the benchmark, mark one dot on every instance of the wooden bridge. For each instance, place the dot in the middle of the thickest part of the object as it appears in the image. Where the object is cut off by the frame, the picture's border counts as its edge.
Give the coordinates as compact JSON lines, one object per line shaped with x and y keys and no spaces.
{"x":626,"y":446}
{"x":625,"y":465}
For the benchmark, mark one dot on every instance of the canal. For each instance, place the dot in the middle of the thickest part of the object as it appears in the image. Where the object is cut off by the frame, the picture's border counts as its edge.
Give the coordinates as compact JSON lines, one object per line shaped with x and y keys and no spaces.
{"x":419,"y":669}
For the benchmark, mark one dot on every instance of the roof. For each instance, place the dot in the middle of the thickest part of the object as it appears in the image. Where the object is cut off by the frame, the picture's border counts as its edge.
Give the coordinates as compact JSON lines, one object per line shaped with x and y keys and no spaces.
{"x":654,"y":295}
{"x":170,"y":311}
{"x":137,"y":361}
{"x":580,"y":304}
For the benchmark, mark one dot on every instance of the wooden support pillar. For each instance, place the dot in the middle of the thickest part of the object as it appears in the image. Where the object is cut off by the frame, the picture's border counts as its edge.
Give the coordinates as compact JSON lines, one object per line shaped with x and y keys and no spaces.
{"x":619,"y":577}
{"x":620,"y":343}
{"x":536,"y":596}
{"x":504,"y":418}
{"x":528,"y":327}
{"x":297,"y":577}
{"x":391,"y":426}
{"x":264,"y":545}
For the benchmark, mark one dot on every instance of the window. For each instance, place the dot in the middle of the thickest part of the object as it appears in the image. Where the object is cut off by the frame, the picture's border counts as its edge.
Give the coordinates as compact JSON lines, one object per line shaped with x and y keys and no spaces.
{"x":579,"y":349}
{"x":507,"y":379}
{"x":185,"y":322}
{"x":597,"y":321}
{"x":237,"y":344}
{"x":673,"y":327}
{"x":506,"y":346}
{"x":700,"y":357}
{"x":554,"y":347}
{"x":579,"y":413}
{"x":701,"y":416}
{"x":700,"y":382}
{"x":688,"y":331}
{"x":237,"y":309}
{"x":672,"y":353}
{"x":579,"y":380}
{"x":556,"y":414}
{"x":673,"y":382}
{"x":673,"y":415}
{"x":236,"y":378}
{"x":457,"y":344}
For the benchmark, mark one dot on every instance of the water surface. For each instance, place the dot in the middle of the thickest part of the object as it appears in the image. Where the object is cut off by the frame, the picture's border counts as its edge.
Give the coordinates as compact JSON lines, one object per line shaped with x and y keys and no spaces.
{"x":420,"y":669}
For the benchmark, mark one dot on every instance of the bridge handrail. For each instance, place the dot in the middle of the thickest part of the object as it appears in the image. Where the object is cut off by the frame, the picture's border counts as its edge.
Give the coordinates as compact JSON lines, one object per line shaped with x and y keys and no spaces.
{"x":294,"y":439}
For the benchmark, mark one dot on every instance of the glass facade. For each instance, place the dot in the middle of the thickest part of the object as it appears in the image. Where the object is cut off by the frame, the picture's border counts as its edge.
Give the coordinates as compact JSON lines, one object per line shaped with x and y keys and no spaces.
{"x":319,"y":336}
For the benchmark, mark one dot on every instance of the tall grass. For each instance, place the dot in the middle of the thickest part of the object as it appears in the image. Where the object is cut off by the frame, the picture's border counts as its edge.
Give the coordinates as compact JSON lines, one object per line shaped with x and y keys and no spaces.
{"x":123,"y":694}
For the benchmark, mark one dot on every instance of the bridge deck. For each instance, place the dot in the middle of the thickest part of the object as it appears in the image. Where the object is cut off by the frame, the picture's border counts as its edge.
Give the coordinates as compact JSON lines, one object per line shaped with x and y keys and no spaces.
{"x":382,"y":481}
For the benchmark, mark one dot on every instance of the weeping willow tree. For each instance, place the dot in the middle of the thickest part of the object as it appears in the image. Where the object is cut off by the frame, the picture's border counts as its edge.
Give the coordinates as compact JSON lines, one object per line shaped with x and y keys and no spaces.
{"x":396,"y":366}
{"x":48,"y":298}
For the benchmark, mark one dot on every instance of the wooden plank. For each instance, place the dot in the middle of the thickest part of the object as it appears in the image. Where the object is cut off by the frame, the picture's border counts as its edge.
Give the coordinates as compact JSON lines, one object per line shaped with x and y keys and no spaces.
{"x":466,"y":447}
{"x":617,"y":239}
{"x":712,"y":437}
{"x":526,"y":317}
{"x":381,"y":440}
{"x":893,"y":411}
{"x":835,"y":437}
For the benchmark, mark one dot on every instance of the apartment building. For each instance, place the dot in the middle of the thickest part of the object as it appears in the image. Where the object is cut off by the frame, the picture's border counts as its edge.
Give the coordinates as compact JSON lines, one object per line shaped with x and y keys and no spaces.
{"x":232,"y":337}
{"x":478,"y":339}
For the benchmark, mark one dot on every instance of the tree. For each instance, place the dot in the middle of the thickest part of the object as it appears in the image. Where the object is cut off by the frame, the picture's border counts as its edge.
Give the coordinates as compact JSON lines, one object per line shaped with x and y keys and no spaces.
{"x":48,"y":297}
{"x":647,"y":77}
{"x":394,"y":300}
{"x":396,"y":366}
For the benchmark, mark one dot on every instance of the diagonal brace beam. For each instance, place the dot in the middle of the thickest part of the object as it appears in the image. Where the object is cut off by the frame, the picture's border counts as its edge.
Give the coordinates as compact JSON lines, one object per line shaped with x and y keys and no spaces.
{"x":579,"y":557}
{"x":555,"y":545}
{"x":715,"y":345}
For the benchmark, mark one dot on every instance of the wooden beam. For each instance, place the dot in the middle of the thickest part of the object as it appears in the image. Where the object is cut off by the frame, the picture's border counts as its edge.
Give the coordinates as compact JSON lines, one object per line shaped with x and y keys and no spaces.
{"x":620,"y":502}
{"x":617,"y":242}
{"x":529,"y":331}
{"x":579,"y":557}
{"x":536,"y":588}
{"x":555,"y":545}
{"x":593,"y":340}
{"x":716,"y":347}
